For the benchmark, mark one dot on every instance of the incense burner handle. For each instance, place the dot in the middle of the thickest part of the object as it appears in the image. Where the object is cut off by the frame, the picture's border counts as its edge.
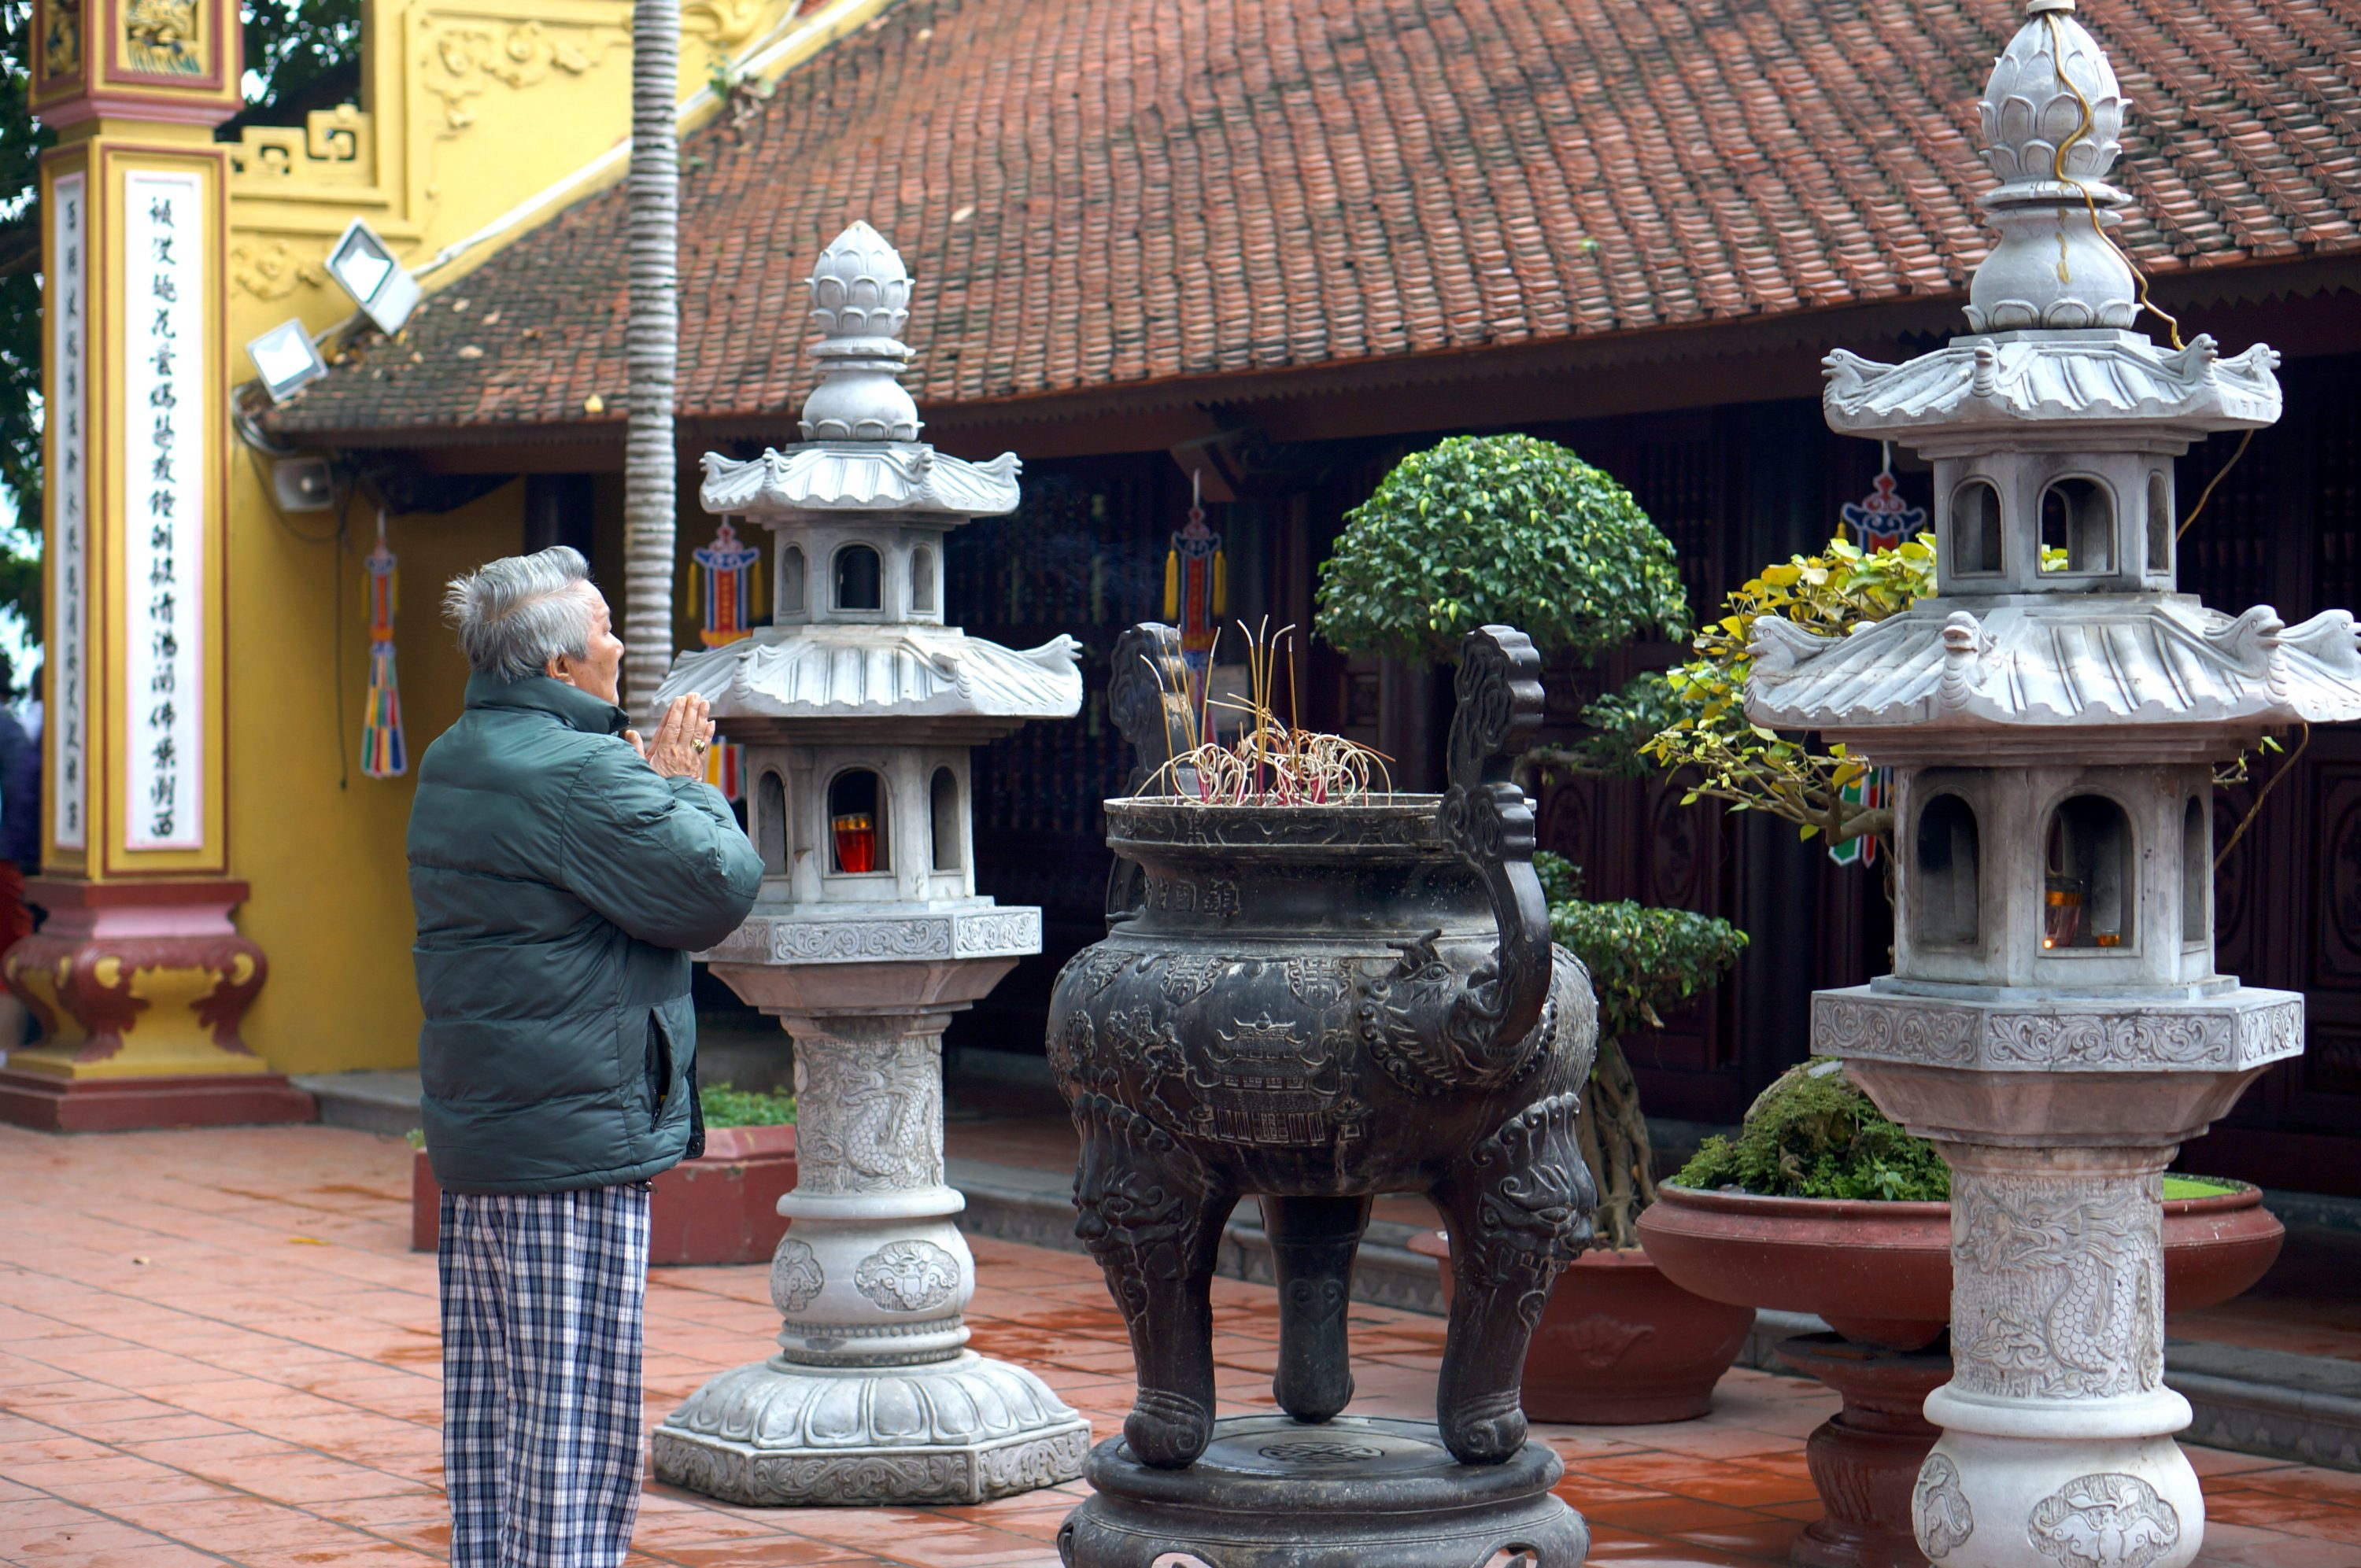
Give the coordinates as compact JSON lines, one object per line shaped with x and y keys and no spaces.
{"x":1148,"y":697}
{"x":1486,"y":817}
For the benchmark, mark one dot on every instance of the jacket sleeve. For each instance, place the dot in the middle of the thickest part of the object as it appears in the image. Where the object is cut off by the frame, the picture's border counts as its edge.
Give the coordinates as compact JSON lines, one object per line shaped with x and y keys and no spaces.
{"x":661,"y":858}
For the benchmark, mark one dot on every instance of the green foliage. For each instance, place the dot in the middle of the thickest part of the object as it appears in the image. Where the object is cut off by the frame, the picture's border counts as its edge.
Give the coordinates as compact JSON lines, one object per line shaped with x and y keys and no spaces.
{"x":1812,"y":1134}
{"x":293,"y":44}
{"x":1619,"y":725}
{"x":1498,"y":529}
{"x":726,"y":1106}
{"x":2177,"y":1186}
{"x":1755,"y":768}
{"x":1640,"y":959}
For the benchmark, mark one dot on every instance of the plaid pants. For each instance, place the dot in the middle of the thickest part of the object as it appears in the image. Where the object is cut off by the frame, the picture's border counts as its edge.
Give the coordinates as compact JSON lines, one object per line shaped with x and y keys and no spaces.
{"x":541,"y":1299}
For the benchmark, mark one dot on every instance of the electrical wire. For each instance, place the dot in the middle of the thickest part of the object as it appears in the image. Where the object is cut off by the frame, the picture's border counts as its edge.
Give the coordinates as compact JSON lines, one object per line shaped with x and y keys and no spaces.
{"x":2213,"y":483}
{"x":2058,"y":169}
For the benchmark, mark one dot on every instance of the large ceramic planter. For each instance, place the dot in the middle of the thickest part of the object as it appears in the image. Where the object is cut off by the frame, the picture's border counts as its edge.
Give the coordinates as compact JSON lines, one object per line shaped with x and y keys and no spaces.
{"x":1881,"y":1275}
{"x":1619,"y":1343}
{"x":722,"y":1207}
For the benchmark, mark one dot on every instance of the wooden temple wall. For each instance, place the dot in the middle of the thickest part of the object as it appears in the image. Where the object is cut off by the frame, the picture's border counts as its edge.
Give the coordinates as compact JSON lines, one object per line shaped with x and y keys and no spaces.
{"x":1736,"y":488}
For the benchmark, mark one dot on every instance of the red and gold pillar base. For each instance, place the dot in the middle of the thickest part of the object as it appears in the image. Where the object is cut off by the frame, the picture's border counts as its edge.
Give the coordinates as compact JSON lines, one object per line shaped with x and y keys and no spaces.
{"x":139,"y":989}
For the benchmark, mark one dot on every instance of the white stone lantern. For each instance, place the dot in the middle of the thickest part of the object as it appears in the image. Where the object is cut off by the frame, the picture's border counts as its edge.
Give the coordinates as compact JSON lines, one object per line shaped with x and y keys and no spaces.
{"x":856,"y":709}
{"x":2054,"y":1021}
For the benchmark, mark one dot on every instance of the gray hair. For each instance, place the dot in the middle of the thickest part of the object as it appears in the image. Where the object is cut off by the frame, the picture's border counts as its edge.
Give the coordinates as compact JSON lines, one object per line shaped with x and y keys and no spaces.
{"x":516,"y":614}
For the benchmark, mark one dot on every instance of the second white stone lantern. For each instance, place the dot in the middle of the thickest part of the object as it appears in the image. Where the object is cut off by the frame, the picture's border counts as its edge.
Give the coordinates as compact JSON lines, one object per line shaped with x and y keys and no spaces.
{"x":856,"y":708}
{"x":2054,"y":1021}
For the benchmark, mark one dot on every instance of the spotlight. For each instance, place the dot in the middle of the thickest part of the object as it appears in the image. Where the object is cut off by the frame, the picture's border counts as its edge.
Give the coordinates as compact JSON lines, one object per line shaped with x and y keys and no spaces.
{"x":285,"y":359}
{"x":379,"y":285}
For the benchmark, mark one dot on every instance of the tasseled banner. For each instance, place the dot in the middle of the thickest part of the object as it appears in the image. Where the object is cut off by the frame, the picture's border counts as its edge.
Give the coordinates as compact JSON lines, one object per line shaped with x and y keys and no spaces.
{"x":1196,"y":589}
{"x":725,"y":582}
{"x":383,"y":755}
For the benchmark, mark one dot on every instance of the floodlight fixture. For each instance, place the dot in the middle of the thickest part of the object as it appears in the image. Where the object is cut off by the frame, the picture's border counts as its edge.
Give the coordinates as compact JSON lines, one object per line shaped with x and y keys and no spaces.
{"x":285,"y":359}
{"x":381,"y":286}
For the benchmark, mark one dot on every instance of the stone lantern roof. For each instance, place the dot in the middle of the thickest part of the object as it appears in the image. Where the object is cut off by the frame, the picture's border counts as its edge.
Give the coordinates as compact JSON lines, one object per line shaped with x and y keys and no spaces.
{"x":2053,"y":427}
{"x":862,"y":481}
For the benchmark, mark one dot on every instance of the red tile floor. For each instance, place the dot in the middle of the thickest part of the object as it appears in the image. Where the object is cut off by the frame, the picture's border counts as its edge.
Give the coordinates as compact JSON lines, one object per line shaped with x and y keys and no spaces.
{"x":216,"y":1347}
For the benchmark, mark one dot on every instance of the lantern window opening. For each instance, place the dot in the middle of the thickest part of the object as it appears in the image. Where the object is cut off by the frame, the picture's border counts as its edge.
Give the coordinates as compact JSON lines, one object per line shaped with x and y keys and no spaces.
{"x":1945,"y":894}
{"x":857,"y":825}
{"x":790,"y":599}
{"x":1975,"y":532}
{"x":2089,"y":881}
{"x":860,"y":578}
{"x":2196,"y":873}
{"x":922,"y":582}
{"x":2159,"y":523}
{"x":771,"y":822}
{"x":943,"y":813}
{"x":2077,"y":526}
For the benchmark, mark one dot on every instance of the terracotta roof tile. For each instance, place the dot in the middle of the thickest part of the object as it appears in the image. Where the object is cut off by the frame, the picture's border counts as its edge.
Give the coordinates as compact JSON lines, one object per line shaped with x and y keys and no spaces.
{"x":1101,"y":193}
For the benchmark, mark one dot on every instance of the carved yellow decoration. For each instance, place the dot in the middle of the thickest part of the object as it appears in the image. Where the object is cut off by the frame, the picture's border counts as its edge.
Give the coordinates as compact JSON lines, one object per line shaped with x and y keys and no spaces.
{"x":160,"y":37}
{"x":61,"y":38}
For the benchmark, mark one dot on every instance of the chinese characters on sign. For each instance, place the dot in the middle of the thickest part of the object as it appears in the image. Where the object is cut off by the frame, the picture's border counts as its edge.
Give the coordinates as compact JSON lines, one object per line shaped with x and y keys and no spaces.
{"x":164,"y":524}
{"x":69,"y":539}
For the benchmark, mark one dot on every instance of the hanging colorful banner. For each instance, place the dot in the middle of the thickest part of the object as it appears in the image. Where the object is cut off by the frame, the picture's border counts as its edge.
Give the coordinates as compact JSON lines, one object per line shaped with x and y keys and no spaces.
{"x":725,"y":578}
{"x":722,"y":585}
{"x":383,"y":753}
{"x":1882,"y":519}
{"x":1869,"y":791}
{"x":1195,"y":594}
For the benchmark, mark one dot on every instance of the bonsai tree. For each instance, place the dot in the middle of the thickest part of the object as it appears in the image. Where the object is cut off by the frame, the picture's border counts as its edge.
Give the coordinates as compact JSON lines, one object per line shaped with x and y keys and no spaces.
{"x":1497,"y":529}
{"x":1510,"y":529}
{"x":1813,"y":1134}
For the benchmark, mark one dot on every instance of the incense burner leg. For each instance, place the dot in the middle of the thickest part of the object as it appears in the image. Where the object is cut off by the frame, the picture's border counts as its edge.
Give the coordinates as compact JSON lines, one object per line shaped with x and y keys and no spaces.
{"x":1518,"y":1207}
{"x":1152,"y":1213}
{"x":1312,"y":1241}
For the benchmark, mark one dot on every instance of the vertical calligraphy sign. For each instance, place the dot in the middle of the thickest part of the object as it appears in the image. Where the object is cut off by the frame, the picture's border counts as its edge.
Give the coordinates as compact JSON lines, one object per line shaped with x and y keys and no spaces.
{"x":165,"y":430}
{"x":68,"y":414}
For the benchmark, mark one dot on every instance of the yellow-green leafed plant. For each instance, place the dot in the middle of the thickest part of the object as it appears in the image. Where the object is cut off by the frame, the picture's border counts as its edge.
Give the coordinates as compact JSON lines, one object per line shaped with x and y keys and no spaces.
{"x":1698,"y":709}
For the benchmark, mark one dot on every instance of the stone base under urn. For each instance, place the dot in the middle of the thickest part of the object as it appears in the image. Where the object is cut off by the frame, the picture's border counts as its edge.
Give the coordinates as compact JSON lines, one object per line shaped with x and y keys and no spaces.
{"x":965,"y":1429}
{"x":1273,"y":1491}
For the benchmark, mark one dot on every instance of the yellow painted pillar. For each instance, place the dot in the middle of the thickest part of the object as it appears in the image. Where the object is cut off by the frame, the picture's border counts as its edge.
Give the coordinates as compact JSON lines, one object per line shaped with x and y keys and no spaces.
{"x":138,"y":978}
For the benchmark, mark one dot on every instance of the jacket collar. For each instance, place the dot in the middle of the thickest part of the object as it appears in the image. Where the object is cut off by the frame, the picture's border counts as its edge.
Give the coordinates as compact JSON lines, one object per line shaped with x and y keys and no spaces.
{"x":571,"y":706}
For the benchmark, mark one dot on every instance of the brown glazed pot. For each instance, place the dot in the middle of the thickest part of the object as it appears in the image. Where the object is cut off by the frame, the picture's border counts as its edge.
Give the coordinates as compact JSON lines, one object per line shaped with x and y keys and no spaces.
{"x":1881,"y":1275}
{"x":721,"y":1207}
{"x":1619,"y":1344}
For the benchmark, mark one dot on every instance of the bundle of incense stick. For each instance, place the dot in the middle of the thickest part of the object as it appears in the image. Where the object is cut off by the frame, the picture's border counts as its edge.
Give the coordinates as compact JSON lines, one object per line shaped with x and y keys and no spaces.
{"x":1272,"y":762}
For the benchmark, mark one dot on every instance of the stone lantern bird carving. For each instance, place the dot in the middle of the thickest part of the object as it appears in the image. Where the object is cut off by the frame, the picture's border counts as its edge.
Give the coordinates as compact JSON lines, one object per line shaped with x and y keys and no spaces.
{"x":856,"y":708}
{"x":2054,"y":1021}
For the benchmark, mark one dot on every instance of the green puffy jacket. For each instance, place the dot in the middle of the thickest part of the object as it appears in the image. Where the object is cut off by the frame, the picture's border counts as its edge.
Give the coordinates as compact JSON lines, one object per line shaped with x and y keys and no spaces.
{"x":560,"y":885}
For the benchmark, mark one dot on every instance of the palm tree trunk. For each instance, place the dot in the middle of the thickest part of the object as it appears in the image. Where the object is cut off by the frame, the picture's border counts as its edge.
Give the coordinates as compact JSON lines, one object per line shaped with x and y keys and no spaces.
{"x":651,"y":346}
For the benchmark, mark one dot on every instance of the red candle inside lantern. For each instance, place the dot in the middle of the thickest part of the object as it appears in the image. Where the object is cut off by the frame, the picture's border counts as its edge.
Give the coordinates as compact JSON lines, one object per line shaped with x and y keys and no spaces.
{"x":856,"y":841}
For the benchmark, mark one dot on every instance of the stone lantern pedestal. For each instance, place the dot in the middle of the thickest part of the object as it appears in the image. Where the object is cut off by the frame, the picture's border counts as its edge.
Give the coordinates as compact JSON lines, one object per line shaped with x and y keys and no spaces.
{"x":2052,"y":718}
{"x":855,"y":711}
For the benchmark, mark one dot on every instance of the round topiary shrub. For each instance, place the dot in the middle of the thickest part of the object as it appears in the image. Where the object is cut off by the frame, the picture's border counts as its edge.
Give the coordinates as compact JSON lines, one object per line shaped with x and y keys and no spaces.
{"x":1498,"y":529}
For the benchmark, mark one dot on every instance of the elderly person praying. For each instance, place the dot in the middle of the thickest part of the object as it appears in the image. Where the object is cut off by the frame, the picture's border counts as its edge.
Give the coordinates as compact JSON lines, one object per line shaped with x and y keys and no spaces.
{"x":562,"y":870}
